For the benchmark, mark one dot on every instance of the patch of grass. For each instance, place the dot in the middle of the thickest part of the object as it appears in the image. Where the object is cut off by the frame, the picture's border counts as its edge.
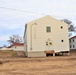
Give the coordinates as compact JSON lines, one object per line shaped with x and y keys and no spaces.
{"x":14,"y":54}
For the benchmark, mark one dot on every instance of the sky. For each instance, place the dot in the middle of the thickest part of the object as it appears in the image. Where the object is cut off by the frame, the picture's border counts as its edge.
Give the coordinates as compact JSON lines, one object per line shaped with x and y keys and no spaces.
{"x":14,"y":14}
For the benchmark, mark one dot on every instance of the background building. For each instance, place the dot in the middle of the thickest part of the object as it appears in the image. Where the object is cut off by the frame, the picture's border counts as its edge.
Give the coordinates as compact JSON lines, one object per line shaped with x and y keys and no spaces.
{"x":72,"y":42}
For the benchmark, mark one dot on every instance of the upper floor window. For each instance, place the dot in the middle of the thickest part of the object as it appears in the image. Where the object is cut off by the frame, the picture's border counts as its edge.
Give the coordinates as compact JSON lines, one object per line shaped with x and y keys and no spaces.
{"x":62,"y":40}
{"x":61,"y":27}
{"x":48,"y":29}
{"x":70,"y":40}
{"x":73,"y":40}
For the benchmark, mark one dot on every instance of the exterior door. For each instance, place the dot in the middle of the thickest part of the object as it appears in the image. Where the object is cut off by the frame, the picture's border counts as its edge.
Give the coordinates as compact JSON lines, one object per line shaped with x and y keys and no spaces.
{"x":49,"y":45}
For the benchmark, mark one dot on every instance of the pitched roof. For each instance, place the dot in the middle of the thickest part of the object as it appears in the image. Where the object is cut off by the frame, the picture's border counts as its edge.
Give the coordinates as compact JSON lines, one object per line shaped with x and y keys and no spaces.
{"x":47,"y":17}
{"x":73,"y":37}
{"x":1,"y":47}
{"x":10,"y":46}
{"x":18,"y":44}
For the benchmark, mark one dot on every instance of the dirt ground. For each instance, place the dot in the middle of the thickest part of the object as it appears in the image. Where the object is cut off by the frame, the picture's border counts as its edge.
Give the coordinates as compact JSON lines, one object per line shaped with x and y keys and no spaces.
{"x":59,"y":65}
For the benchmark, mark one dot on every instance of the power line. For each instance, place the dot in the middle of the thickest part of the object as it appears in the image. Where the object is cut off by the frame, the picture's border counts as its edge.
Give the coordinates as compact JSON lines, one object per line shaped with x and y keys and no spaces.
{"x":22,"y":10}
{"x":28,"y":12}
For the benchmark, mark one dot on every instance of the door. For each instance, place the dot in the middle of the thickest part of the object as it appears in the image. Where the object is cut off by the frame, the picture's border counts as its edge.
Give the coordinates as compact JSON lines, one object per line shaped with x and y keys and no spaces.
{"x":49,"y":45}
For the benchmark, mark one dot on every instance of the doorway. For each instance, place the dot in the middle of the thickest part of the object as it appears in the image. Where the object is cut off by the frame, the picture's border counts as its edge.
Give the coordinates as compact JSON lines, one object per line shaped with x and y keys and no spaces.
{"x":49,"y":45}
{"x":49,"y":48}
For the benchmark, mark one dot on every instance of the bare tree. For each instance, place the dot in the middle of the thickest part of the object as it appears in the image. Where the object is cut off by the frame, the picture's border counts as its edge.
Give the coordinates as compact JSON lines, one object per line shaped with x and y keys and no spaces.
{"x":15,"y":39}
{"x":71,"y":27}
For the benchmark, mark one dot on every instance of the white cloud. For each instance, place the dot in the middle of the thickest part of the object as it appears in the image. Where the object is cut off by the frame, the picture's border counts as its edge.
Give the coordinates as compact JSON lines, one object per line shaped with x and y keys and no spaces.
{"x":4,"y":38}
{"x":60,"y":8}
{"x":14,"y":19}
{"x":5,"y":26}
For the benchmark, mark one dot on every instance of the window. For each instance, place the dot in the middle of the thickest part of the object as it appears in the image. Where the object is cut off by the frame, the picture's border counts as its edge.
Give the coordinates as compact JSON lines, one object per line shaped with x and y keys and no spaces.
{"x":62,"y":40}
{"x":61,"y":27}
{"x":70,"y":40}
{"x":73,"y":40}
{"x":50,"y":43}
{"x":70,"y":46}
{"x":73,"y":46}
{"x":48,"y":29}
{"x":47,"y":43}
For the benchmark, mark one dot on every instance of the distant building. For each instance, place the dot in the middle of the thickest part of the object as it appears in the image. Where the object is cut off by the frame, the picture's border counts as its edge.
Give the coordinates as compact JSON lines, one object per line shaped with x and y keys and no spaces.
{"x":14,"y":47}
{"x":5,"y":48}
{"x":1,"y":47}
{"x":72,"y":42}
{"x":17,"y":46}
{"x":44,"y":36}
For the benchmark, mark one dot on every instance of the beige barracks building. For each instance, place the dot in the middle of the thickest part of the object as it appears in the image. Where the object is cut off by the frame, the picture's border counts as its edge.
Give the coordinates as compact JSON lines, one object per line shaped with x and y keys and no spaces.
{"x":44,"y":36}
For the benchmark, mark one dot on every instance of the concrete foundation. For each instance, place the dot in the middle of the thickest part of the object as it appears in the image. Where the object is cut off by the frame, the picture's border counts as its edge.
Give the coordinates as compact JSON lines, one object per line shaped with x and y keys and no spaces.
{"x":36,"y":54}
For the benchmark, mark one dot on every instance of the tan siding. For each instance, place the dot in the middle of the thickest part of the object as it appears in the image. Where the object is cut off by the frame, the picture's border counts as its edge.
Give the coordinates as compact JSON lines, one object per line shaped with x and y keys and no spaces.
{"x":40,"y":36}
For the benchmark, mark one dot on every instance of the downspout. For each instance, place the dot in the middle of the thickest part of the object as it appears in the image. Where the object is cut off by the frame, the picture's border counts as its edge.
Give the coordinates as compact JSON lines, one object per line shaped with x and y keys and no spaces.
{"x":31,"y":34}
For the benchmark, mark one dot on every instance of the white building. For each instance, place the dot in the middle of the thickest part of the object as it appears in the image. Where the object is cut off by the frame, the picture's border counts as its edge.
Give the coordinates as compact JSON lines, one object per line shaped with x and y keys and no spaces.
{"x":14,"y":47}
{"x":44,"y":36}
{"x":17,"y":47}
{"x":5,"y":48}
{"x":72,"y":41}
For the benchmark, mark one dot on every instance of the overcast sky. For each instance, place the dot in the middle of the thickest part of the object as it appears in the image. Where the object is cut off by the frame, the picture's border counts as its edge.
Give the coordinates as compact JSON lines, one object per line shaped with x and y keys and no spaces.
{"x":13,"y":22}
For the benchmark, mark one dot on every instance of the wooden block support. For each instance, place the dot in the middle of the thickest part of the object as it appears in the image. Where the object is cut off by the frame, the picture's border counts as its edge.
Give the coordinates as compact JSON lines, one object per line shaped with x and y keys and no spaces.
{"x":53,"y":54}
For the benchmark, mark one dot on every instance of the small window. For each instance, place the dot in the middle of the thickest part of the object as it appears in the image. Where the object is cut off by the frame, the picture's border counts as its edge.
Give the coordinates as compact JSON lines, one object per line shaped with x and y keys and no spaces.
{"x":70,"y":40}
{"x":73,"y":46}
{"x":62,"y":40}
{"x":50,"y":43}
{"x":73,"y":40}
{"x":61,"y":27}
{"x":47,"y":43}
{"x":70,"y":46}
{"x":48,"y":29}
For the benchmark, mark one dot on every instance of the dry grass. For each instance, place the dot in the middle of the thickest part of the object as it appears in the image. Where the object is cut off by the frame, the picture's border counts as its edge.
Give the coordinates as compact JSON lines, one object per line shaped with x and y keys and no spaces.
{"x":59,"y":65}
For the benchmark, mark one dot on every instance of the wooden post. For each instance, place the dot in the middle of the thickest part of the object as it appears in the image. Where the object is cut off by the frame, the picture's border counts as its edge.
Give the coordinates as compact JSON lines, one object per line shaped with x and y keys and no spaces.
{"x":53,"y":54}
{"x":68,"y":53}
